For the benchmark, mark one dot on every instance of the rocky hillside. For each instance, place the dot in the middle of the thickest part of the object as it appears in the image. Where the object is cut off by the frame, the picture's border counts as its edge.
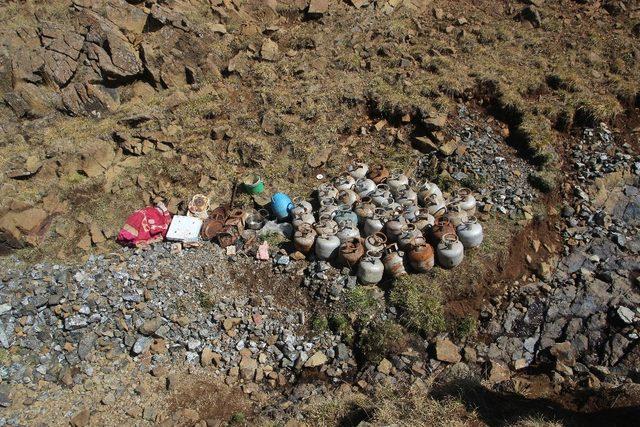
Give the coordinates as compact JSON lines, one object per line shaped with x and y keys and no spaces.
{"x":112,"y":105}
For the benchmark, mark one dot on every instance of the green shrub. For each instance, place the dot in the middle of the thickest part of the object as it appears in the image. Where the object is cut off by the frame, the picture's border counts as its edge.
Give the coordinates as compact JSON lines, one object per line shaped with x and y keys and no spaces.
{"x":379,"y":339}
{"x":420,"y":304}
{"x":319,"y":324}
{"x":339,"y":324}
{"x":238,"y":418}
{"x":466,"y":327}
{"x":363,"y":303}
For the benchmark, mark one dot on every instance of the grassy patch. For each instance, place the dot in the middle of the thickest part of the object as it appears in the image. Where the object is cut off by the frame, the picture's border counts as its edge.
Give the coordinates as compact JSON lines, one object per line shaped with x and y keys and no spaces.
{"x":273,"y":238}
{"x":379,"y":339}
{"x":319,"y":324}
{"x":420,"y":303}
{"x":465,"y":327}
{"x":239,"y":418}
{"x":542,"y":180}
{"x":400,"y":406}
{"x":363,"y":303}
{"x":205,"y":300}
{"x":339,"y":324}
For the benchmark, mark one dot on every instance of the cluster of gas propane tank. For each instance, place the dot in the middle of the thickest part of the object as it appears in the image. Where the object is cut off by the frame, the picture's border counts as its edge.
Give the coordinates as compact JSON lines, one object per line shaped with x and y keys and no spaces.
{"x":380,"y":222}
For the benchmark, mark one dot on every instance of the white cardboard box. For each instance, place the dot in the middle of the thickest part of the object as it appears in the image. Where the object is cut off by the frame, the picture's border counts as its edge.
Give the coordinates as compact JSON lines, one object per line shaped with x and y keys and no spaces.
{"x":184,"y":229}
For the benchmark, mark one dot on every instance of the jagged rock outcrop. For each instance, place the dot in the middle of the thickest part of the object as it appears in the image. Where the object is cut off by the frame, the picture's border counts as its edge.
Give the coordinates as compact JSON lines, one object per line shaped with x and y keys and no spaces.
{"x":79,"y":67}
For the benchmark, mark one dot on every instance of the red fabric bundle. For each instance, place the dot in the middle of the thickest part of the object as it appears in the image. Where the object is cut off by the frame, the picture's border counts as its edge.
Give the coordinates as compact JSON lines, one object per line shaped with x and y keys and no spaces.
{"x":145,"y":226}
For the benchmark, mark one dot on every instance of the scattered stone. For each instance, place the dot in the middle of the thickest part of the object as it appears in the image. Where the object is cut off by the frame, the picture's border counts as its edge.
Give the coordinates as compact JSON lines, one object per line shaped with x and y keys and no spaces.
{"x":149,"y":327}
{"x":150,"y":414}
{"x":625,"y":314}
{"x":248,"y":368}
{"x":206,"y":357}
{"x":269,"y":50}
{"x":142,"y":345}
{"x":498,"y":372}
{"x":384,"y":367}
{"x":318,"y":359}
{"x":81,"y":419}
{"x":448,"y":148}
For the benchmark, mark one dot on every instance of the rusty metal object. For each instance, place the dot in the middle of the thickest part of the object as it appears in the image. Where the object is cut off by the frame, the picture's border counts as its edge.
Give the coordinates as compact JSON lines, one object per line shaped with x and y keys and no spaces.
{"x":236,"y":220}
{"x":219,"y":213}
{"x":378,"y":173}
{"x":376,"y":242}
{"x":227,"y":236}
{"x":440,"y":228}
{"x":393,"y":261}
{"x":351,"y":251}
{"x":421,"y":257}
{"x":211,"y":228}
{"x":199,"y":205}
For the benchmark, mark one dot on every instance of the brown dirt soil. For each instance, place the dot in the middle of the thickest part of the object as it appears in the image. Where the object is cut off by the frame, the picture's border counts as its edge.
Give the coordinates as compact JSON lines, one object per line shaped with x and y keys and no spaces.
{"x":285,"y":288}
{"x":627,"y":128}
{"x":499,"y":270}
{"x":210,"y":399}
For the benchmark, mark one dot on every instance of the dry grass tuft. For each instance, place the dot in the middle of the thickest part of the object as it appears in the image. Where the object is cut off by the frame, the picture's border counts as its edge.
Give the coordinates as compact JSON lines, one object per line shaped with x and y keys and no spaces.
{"x":391,"y":406}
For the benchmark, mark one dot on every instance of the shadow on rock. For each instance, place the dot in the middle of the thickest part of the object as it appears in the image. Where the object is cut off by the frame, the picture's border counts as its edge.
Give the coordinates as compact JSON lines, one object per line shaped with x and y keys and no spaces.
{"x":507,"y":408}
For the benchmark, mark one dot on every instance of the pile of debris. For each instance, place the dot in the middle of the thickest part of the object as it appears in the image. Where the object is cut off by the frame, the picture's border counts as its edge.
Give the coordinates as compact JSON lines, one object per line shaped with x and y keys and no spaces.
{"x":369,"y":220}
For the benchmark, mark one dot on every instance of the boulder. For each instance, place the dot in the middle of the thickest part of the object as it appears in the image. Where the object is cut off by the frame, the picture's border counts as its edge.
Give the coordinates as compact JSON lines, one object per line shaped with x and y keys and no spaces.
{"x":28,"y":100}
{"x":127,"y":17}
{"x":563,"y":352}
{"x":435,"y":121}
{"x":269,"y":50}
{"x":81,"y":419}
{"x":384,"y":367}
{"x":89,"y":99}
{"x":16,"y":226}
{"x":532,"y":15}
{"x":446,"y":351}
{"x":626,"y":315}
{"x":150,"y":326}
{"x":498,"y":372}
{"x":318,"y":7}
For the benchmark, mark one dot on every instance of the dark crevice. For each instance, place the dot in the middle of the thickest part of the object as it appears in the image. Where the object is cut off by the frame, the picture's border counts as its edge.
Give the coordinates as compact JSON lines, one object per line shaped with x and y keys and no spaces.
{"x":152,"y":25}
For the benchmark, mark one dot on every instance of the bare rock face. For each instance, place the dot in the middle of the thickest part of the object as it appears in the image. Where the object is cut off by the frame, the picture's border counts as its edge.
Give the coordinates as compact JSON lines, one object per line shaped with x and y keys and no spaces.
{"x":88,"y":65}
{"x":126,"y":16}
{"x":30,"y":100}
{"x":76,"y":68}
{"x":89,"y":99}
{"x":116,"y":58}
{"x":61,"y":52}
{"x":21,"y":227}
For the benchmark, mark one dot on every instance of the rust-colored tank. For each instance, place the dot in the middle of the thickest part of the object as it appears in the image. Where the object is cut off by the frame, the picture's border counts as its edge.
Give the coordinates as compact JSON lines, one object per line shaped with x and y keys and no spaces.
{"x":393,"y":261}
{"x":421,"y":257}
{"x":351,"y":251}
{"x":440,"y":228}
{"x":378,"y":173}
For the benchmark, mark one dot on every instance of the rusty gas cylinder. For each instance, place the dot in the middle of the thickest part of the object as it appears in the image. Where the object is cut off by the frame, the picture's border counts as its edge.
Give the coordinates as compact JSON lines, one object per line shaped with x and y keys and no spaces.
{"x":440,"y":228}
{"x":304,"y":238}
{"x":351,"y":251}
{"x":393,"y":261}
{"x":421,"y":256}
{"x":378,"y":173}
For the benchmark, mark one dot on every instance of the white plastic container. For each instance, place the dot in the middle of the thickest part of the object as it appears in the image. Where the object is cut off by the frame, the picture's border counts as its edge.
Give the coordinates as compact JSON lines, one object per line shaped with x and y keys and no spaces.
{"x":184,"y":229}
